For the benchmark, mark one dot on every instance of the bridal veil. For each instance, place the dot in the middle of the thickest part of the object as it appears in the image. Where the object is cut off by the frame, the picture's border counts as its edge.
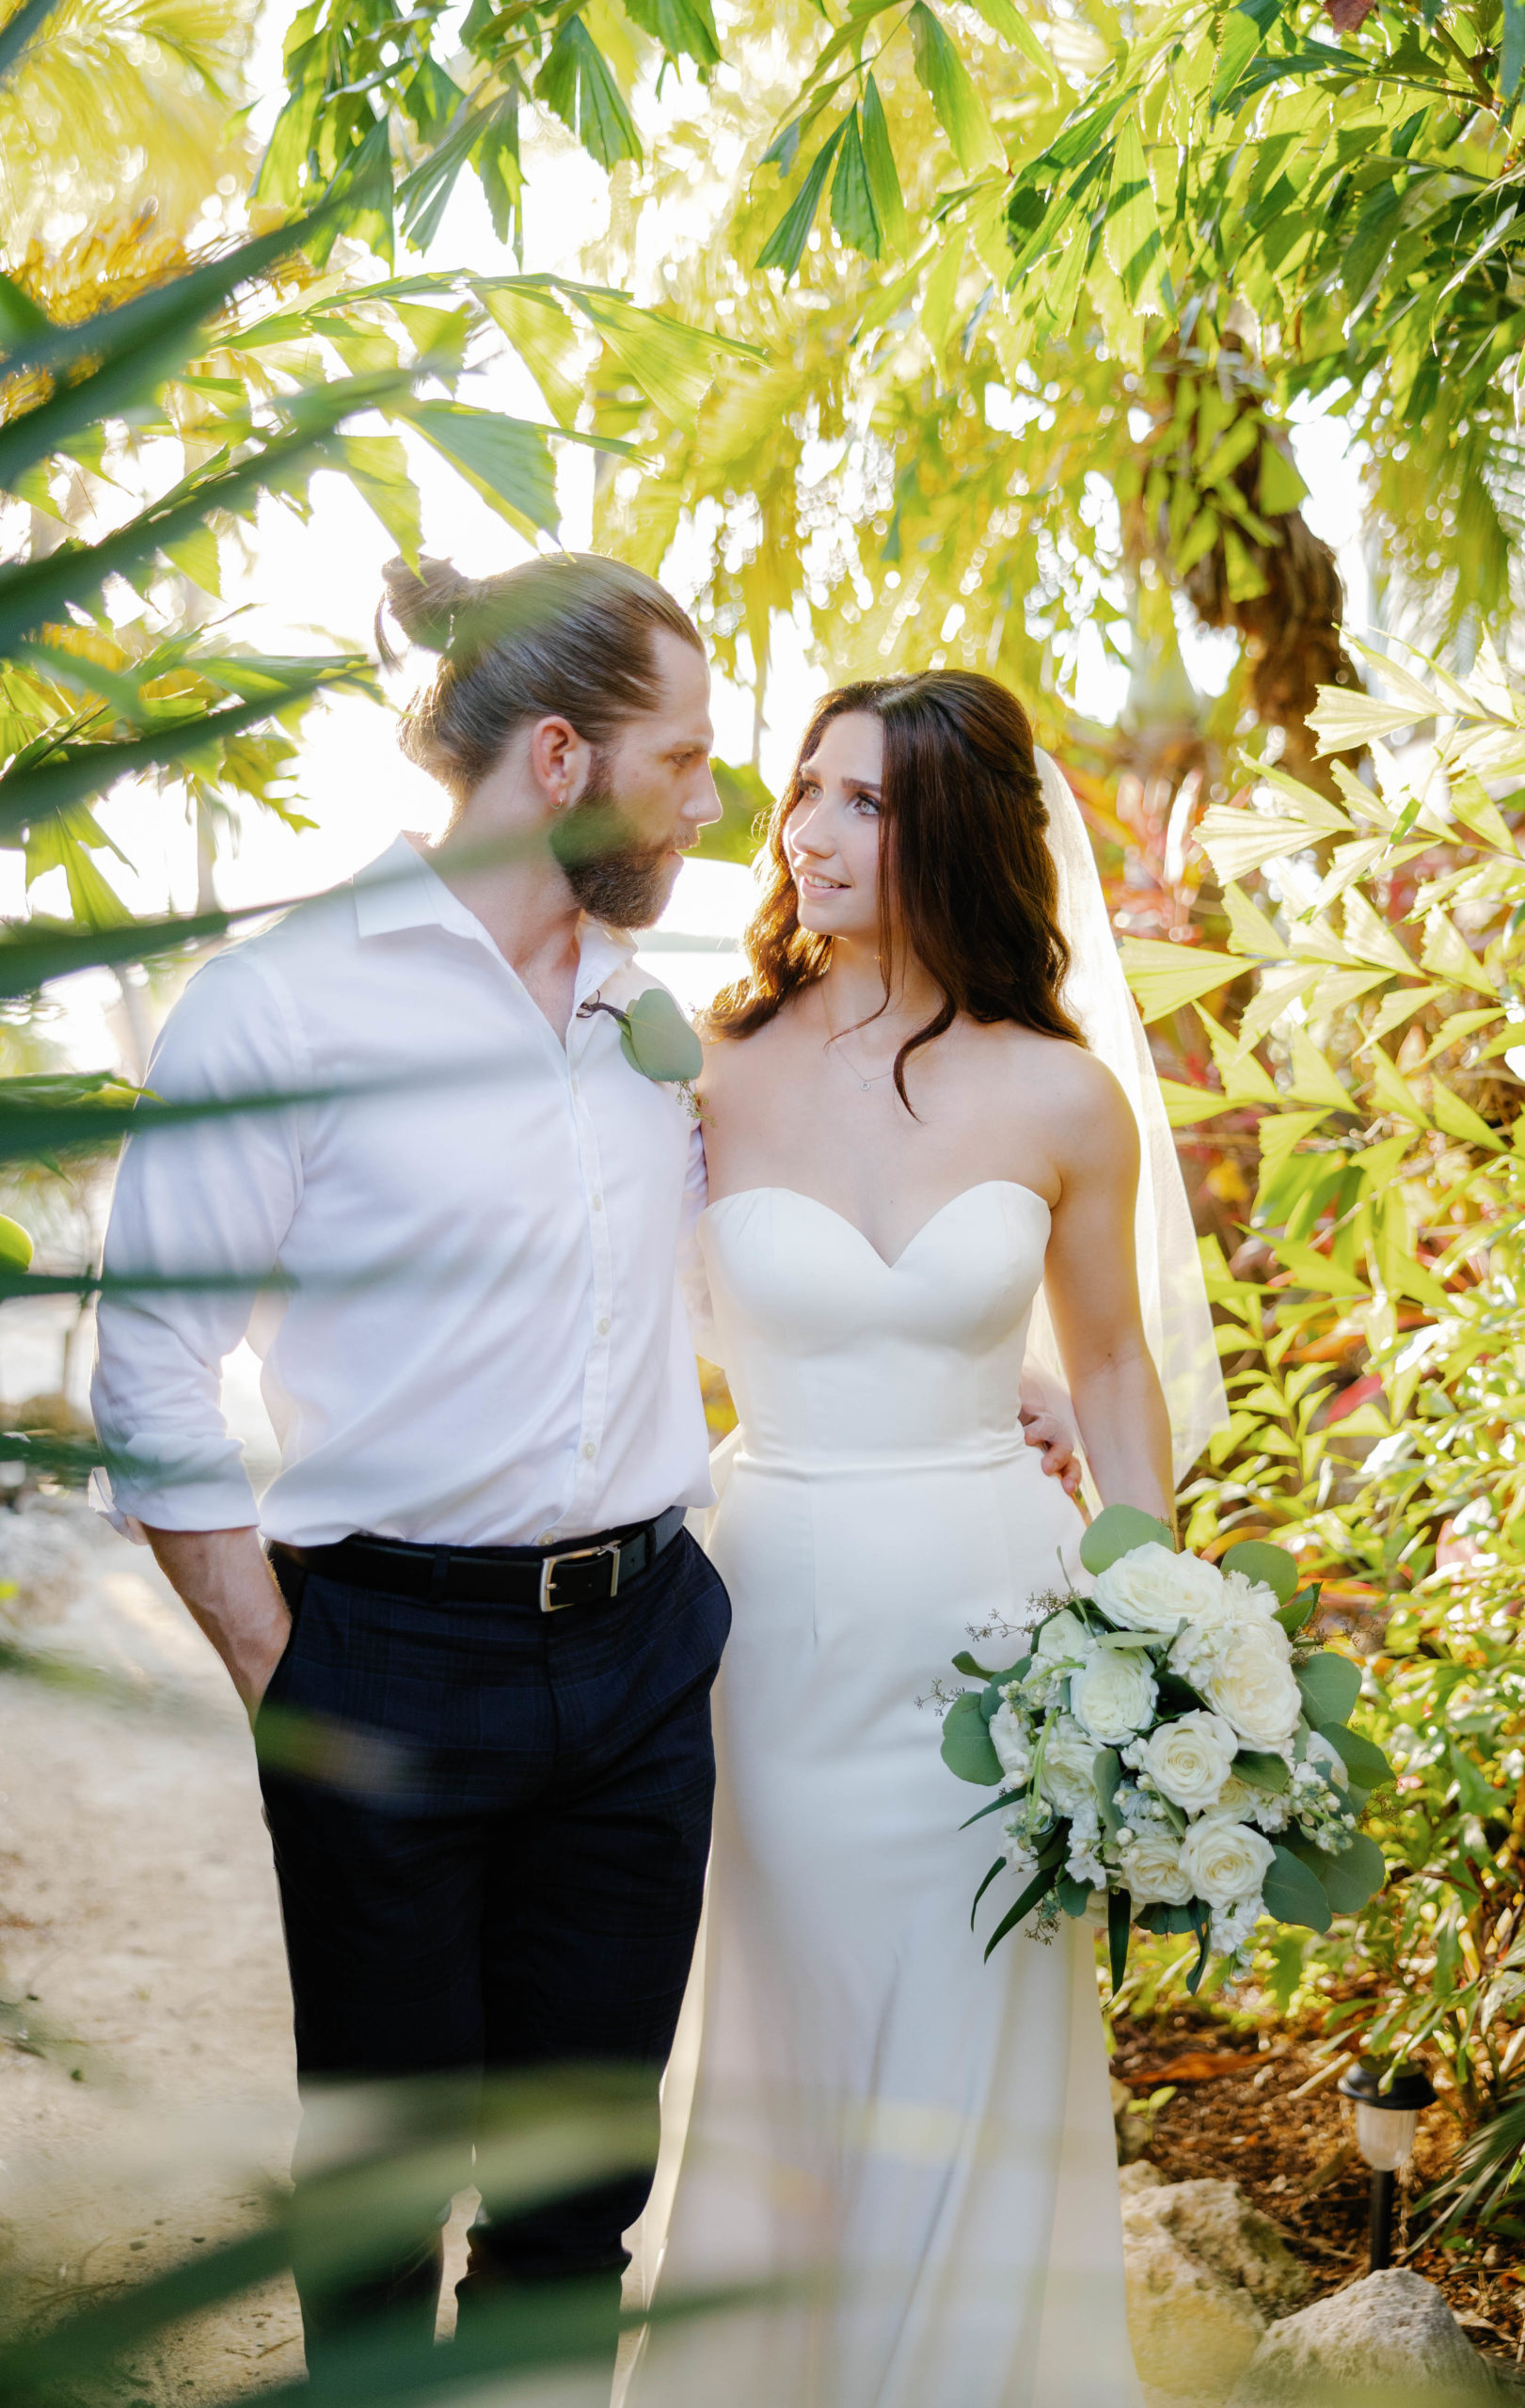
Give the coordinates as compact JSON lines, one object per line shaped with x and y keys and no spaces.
{"x":1171,"y":1289}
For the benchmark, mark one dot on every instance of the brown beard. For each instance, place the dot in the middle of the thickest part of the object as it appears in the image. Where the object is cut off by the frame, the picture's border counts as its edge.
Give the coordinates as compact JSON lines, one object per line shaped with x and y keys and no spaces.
{"x":615,"y":879}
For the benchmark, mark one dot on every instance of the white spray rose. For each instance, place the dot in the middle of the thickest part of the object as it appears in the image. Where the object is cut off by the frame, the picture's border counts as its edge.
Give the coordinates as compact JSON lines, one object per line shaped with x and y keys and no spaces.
{"x":1327,"y":1756}
{"x":1151,"y":1588}
{"x":1012,"y":1742}
{"x":1017,"y":1852}
{"x":1114,"y":1696}
{"x":1151,"y":1869}
{"x":1068,"y":1778}
{"x":1225,"y":1863}
{"x":1241,"y":1670}
{"x":1188,"y":1760}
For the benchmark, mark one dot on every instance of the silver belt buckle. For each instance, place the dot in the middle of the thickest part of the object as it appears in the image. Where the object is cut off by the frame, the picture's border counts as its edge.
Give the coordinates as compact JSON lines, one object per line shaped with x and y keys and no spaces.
{"x":549,"y":1604}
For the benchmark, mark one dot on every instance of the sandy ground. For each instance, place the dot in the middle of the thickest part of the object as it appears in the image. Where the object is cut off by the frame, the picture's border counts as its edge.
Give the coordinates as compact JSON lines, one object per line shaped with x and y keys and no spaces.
{"x":139,"y":1923}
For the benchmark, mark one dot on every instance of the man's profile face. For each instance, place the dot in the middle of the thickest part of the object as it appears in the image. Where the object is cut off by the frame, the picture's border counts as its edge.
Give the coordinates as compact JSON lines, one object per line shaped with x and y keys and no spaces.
{"x":654,"y":786}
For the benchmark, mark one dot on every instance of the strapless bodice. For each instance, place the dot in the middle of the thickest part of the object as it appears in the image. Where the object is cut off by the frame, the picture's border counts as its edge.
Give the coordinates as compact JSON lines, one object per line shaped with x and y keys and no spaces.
{"x":838,"y":1358}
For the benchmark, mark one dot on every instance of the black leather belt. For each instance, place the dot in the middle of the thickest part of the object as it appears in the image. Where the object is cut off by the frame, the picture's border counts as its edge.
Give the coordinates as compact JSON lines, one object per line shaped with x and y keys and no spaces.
{"x":587,"y":1574}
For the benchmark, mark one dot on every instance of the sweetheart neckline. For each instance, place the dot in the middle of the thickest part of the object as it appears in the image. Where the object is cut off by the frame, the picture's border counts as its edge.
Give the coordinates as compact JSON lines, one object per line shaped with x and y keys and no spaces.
{"x":738,"y":1195}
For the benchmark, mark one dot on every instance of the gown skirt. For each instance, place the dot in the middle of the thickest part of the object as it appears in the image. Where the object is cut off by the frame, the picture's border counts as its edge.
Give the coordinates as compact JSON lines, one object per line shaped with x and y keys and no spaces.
{"x":910,"y":2150}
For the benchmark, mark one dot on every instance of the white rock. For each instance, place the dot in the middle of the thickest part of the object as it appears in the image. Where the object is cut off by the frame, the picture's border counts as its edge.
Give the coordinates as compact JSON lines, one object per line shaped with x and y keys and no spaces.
{"x":1390,"y":2337}
{"x":1217,"y":2224}
{"x":1193,"y":2329}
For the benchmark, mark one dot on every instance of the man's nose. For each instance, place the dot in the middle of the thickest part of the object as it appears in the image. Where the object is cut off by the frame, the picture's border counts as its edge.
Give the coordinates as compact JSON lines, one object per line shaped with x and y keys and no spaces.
{"x":706,"y":806}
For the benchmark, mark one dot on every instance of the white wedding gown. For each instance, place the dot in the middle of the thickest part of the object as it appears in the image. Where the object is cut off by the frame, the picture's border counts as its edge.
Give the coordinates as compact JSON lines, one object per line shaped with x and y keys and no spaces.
{"x":876,"y":2108}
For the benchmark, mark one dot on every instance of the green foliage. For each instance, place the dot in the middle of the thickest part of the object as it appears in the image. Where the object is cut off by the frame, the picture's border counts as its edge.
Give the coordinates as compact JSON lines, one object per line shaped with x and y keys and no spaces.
{"x":406,"y":2146}
{"x":393,"y":111}
{"x":1115,"y":1531}
{"x":967,"y":1747}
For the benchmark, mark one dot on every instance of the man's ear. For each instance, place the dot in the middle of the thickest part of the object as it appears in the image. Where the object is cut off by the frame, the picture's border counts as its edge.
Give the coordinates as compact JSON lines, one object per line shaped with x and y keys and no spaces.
{"x":559,"y":760}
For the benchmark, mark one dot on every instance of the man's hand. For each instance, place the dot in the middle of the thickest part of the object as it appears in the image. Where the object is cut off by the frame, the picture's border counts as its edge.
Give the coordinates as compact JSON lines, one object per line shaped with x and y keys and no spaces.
{"x":1048,"y":1427}
{"x":228,"y":1584}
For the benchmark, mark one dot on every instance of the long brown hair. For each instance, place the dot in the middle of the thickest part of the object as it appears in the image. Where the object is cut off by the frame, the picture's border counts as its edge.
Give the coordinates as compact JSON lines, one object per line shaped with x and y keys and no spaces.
{"x":962,"y":865}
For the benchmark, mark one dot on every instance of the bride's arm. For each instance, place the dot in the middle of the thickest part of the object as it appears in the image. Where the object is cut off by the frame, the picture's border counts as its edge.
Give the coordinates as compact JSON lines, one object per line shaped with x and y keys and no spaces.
{"x":1092,"y":1282}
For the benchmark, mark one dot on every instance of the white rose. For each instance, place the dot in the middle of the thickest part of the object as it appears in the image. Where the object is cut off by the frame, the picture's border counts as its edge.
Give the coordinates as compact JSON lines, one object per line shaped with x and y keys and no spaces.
{"x":1063,"y":1636}
{"x":1012,"y":1743}
{"x":1225,"y":1863}
{"x":1250,"y":1600}
{"x":1068,"y":1777}
{"x":1151,"y":1588}
{"x":1237,"y":1802}
{"x":1241,"y":1668}
{"x":1114,"y":1696}
{"x":1151,"y":1869}
{"x":1188,"y":1760}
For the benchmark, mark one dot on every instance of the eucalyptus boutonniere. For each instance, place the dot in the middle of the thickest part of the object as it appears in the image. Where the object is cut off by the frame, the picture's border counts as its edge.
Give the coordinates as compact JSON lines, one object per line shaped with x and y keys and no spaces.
{"x":656,"y":1041}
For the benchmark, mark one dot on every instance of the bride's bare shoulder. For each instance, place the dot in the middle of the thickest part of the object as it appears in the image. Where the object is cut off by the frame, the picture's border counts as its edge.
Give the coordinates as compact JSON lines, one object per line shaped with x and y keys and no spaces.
{"x":733,"y":1060}
{"x":1063,"y":1082}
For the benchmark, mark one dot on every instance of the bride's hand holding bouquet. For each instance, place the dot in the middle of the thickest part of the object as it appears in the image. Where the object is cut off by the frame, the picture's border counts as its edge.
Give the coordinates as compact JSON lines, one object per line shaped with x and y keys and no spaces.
{"x":1165,"y":1739}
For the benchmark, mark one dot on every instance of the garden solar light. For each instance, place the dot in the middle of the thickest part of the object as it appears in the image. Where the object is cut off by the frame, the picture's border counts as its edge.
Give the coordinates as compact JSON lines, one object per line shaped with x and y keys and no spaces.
{"x":1385,"y":2123}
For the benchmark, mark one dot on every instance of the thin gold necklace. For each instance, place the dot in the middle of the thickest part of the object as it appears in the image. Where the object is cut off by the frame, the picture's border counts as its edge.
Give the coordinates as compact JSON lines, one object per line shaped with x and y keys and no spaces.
{"x":847,"y":1064}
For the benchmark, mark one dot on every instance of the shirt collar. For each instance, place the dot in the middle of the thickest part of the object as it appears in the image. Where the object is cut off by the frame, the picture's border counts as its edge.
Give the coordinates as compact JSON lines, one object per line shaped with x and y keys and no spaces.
{"x":400,"y":890}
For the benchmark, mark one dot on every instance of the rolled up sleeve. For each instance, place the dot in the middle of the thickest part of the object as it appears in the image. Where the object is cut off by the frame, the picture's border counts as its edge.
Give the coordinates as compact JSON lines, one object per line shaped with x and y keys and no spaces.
{"x":209,"y":1201}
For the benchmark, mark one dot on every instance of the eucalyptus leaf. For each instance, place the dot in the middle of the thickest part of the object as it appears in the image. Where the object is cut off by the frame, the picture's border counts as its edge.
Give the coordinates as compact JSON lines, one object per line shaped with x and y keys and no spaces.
{"x":1331,"y":1686}
{"x":1363,"y":1760}
{"x":967,"y":1749}
{"x":1354,"y":1875}
{"x":1271,"y":1565}
{"x":1298,"y":1611}
{"x":1262,"y":1770}
{"x":1293,"y":1893}
{"x":1115,"y":1531}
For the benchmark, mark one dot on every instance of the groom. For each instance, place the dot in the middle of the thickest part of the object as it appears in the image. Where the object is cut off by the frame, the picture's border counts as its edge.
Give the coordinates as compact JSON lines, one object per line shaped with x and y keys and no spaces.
{"x":474,"y":1559}
{"x":475,"y":1588}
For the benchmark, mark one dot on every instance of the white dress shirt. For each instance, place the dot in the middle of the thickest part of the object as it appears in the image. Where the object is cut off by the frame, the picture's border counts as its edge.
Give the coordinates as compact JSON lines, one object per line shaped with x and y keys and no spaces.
{"x":480,"y":1340}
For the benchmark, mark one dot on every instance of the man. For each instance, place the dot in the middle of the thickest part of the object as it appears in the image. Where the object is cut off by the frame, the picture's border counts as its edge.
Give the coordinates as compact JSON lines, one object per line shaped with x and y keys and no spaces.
{"x":481,"y":1381}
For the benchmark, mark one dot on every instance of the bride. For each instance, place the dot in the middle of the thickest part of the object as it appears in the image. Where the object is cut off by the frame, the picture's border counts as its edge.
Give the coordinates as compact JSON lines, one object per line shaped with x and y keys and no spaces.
{"x":920,"y":1167}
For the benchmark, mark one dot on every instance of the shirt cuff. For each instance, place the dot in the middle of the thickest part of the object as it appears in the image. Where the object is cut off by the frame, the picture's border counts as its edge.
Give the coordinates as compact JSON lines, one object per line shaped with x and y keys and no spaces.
{"x":169,"y":1487}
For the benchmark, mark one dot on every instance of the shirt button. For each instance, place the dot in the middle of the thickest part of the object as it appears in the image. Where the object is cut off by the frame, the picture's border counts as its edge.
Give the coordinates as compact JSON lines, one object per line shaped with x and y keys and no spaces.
{"x":603,"y":1326}
{"x":545,"y":1538}
{"x":576,"y":1089}
{"x":589,"y":1450}
{"x":597,"y":1203}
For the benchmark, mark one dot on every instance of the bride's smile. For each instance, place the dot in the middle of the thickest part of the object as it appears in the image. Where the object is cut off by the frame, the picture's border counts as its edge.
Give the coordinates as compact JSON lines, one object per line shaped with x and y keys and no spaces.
{"x":832,"y":837}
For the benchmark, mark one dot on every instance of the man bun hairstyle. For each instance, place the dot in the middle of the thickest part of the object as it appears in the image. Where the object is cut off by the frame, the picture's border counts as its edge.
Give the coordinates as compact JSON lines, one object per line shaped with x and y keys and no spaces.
{"x":567,"y":635}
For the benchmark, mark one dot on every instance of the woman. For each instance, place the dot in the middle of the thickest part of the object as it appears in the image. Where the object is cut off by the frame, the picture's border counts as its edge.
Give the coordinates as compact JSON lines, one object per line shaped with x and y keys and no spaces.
{"x":906,"y":1134}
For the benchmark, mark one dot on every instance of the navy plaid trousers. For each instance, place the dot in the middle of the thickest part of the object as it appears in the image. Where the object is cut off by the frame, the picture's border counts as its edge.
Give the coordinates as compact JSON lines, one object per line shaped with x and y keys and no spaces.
{"x":517,"y":1882}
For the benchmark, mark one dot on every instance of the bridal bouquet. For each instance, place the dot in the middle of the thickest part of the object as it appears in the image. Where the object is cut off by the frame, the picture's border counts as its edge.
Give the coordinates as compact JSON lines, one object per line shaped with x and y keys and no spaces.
{"x":1167,"y":1741}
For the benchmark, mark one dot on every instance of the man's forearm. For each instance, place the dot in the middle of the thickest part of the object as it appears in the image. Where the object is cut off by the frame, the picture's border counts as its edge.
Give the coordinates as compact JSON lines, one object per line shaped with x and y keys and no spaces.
{"x":224,"y":1579}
